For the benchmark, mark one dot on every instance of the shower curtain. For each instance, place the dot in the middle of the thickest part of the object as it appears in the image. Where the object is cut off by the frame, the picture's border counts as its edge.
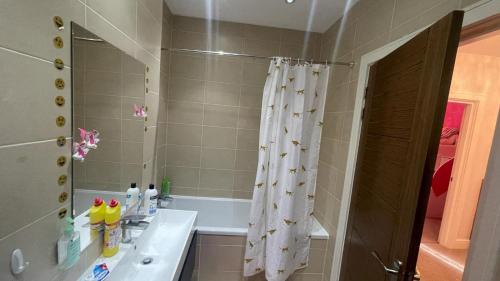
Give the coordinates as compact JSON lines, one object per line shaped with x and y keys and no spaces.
{"x":279,"y":229}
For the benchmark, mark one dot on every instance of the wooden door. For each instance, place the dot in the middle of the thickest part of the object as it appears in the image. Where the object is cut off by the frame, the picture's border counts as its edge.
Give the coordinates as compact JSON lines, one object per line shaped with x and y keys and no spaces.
{"x":404,"y":110}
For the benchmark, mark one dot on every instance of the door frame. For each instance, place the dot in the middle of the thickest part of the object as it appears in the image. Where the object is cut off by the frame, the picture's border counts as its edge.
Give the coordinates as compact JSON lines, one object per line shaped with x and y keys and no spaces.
{"x":474,"y":13}
{"x":457,"y":193}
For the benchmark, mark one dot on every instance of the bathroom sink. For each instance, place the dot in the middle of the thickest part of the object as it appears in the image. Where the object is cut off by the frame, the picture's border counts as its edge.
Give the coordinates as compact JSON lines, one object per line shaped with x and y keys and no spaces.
{"x":159,"y":252}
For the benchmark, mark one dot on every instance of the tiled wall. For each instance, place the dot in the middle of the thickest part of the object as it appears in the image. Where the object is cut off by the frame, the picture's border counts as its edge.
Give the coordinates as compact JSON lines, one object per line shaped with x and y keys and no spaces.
{"x":368,"y":25}
{"x":107,"y":83}
{"x":228,"y":264}
{"x":214,"y":103}
{"x":28,"y":149}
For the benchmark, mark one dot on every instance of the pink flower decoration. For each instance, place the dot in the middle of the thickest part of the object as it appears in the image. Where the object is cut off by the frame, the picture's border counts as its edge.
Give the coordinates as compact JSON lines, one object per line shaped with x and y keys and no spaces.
{"x":80,"y":151}
{"x":139,"y":111}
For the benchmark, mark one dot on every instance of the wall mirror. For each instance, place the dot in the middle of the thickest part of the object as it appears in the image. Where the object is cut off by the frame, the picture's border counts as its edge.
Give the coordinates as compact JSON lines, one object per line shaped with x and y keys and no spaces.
{"x":108,"y":107}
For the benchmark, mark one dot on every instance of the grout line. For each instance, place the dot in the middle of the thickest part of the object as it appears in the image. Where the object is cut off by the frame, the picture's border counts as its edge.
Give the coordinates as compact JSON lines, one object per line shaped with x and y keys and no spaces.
{"x":30,"y":56}
{"x":6,"y":146}
{"x":67,"y":205}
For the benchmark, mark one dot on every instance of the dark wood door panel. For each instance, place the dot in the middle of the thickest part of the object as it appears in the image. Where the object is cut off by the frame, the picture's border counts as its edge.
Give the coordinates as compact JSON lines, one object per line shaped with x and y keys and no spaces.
{"x":404,"y":110}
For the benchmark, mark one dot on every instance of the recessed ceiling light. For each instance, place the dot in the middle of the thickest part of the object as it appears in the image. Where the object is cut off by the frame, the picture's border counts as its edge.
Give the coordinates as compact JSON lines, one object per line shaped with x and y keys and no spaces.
{"x":289,"y":1}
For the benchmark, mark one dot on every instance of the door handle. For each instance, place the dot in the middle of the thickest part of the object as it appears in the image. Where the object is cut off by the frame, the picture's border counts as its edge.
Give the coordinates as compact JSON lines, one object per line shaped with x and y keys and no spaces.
{"x":396,"y":265}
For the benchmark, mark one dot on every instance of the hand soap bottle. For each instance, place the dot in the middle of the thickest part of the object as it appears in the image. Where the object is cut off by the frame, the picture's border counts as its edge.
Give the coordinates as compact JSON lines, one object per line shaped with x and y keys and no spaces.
{"x":68,"y":246}
{"x":150,"y":200}
{"x":132,"y":197}
{"x":96,"y":217}
{"x":112,"y":230}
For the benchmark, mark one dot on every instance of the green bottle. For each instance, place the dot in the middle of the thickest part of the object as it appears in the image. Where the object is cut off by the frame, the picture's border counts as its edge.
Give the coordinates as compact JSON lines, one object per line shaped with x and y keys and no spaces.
{"x":165,"y":187}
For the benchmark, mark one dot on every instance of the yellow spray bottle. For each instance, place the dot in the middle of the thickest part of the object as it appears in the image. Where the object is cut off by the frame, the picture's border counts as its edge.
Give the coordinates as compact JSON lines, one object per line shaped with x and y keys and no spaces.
{"x":112,"y":230}
{"x":96,"y":217}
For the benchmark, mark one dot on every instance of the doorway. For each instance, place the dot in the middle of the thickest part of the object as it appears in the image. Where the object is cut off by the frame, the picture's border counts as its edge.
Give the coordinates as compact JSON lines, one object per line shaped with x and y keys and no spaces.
{"x":462,"y":157}
{"x":474,"y":15}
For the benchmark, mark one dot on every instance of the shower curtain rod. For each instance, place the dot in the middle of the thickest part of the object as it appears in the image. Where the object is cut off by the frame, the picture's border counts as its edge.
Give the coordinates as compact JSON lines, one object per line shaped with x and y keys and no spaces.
{"x":221,"y":53}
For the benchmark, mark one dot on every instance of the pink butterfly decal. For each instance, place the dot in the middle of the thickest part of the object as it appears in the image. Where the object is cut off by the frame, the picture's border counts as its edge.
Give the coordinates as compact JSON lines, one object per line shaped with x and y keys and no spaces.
{"x":90,"y":138}
{"x":139,"y":111}
{"x":80,"y":151}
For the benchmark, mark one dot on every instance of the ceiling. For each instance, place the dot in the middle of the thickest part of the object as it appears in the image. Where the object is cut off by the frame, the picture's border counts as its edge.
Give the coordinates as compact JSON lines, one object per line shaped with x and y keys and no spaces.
{"x":487,"y":45}
{"x":311,"y":15}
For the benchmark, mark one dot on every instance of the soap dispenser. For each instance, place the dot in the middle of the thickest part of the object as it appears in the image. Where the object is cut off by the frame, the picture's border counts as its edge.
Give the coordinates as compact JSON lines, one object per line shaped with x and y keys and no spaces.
{"x":68,"y":246}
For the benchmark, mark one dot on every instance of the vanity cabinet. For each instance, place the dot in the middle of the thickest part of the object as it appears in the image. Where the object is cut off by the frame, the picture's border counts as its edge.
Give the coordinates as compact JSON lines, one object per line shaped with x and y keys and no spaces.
{"x":189,"y":262}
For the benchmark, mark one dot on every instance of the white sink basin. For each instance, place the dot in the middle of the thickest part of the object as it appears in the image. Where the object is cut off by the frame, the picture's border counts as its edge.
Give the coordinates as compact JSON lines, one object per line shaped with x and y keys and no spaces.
{"x":166,"y":241}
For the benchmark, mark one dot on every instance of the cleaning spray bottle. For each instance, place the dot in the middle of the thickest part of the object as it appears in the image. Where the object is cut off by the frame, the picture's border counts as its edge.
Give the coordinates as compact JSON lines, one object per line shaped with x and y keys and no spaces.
{"x":112,"y":230}
{"x":68,"y":246}
{"x":96,"y":217}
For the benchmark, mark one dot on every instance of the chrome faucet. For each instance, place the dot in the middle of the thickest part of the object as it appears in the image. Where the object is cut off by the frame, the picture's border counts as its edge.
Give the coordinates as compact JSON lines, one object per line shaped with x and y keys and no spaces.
{"x":132,"y":220}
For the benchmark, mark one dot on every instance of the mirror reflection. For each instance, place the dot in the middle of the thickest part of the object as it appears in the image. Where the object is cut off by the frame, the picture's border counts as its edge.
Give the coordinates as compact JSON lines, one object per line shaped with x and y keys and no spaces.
{"x":108,"y":118}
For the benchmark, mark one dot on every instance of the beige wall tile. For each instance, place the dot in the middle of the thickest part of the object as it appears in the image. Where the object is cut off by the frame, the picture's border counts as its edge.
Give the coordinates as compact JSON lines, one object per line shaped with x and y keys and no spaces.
{"x":102,"y":106}
{"x":376,"y":19}
{"x":184,"y":134}
{"x":262,"y":33}
{"x":103,"y":172}
{"x":261,"y":47}
{"x":111,"y":128}
{"x":182,"y":176}
{"x":187,"y":66}
{"x":33,"y":22}
{"x":226,"y":70}
{"x":102,"y":83}
{"x":42,"y":265}
{"x":246,"y":160}
{"x":183,"y":112}
{"x":131,"y":129}
{"x":37,"y":160}
{"x":251,"y":96}
{"x":222,"y":116}
{"x":131,"y":152}
{"x":133,"y":85}
{"x":130,"y":173}
{"x":216,"y":179}
{"x":187,"y":156}
{"x":254,"y":73}
{"x":248,"y":139}
{"x":222,"y":93}
{"x":217,"y":137}
{"x":249,"y":118}
{"x":244,"y":180}
{"x":229,"y":258}
{"x":215,"y":158}
{"x":123,"y":14}
{"x":186,"y":90}
{"x":189,"y":40}
{"x":226,"y":43}
{"x":35,"y":115}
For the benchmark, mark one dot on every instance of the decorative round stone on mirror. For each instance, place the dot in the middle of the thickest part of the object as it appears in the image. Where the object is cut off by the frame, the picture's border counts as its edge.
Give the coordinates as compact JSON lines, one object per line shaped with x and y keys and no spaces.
{"x":59,"y":64}
{"x":147,"y":90}
{"x":58,"y":42}
{"x":60,"y":121}
{"x":63,"y":196}
{"x":147,"y":68}
{"x":62,"y":180}
{"x":60,"y":100}
{"x":62,"y":213}
{"x":147,"y":80}
{"x":61,"y":161}
{"x":61,"y":141}
{"x":145,"y":129}
{"x":58,"y":21}
{"x":59,"y":83}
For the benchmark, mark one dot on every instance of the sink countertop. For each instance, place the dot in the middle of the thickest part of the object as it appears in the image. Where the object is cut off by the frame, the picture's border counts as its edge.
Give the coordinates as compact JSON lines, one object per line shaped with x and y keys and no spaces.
{"x":166,"y":241}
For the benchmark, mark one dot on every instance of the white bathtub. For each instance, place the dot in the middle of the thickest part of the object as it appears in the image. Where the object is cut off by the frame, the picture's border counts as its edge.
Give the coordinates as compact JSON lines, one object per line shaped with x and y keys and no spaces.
{"x":225,"y":216}
{"x":216,"y":216}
